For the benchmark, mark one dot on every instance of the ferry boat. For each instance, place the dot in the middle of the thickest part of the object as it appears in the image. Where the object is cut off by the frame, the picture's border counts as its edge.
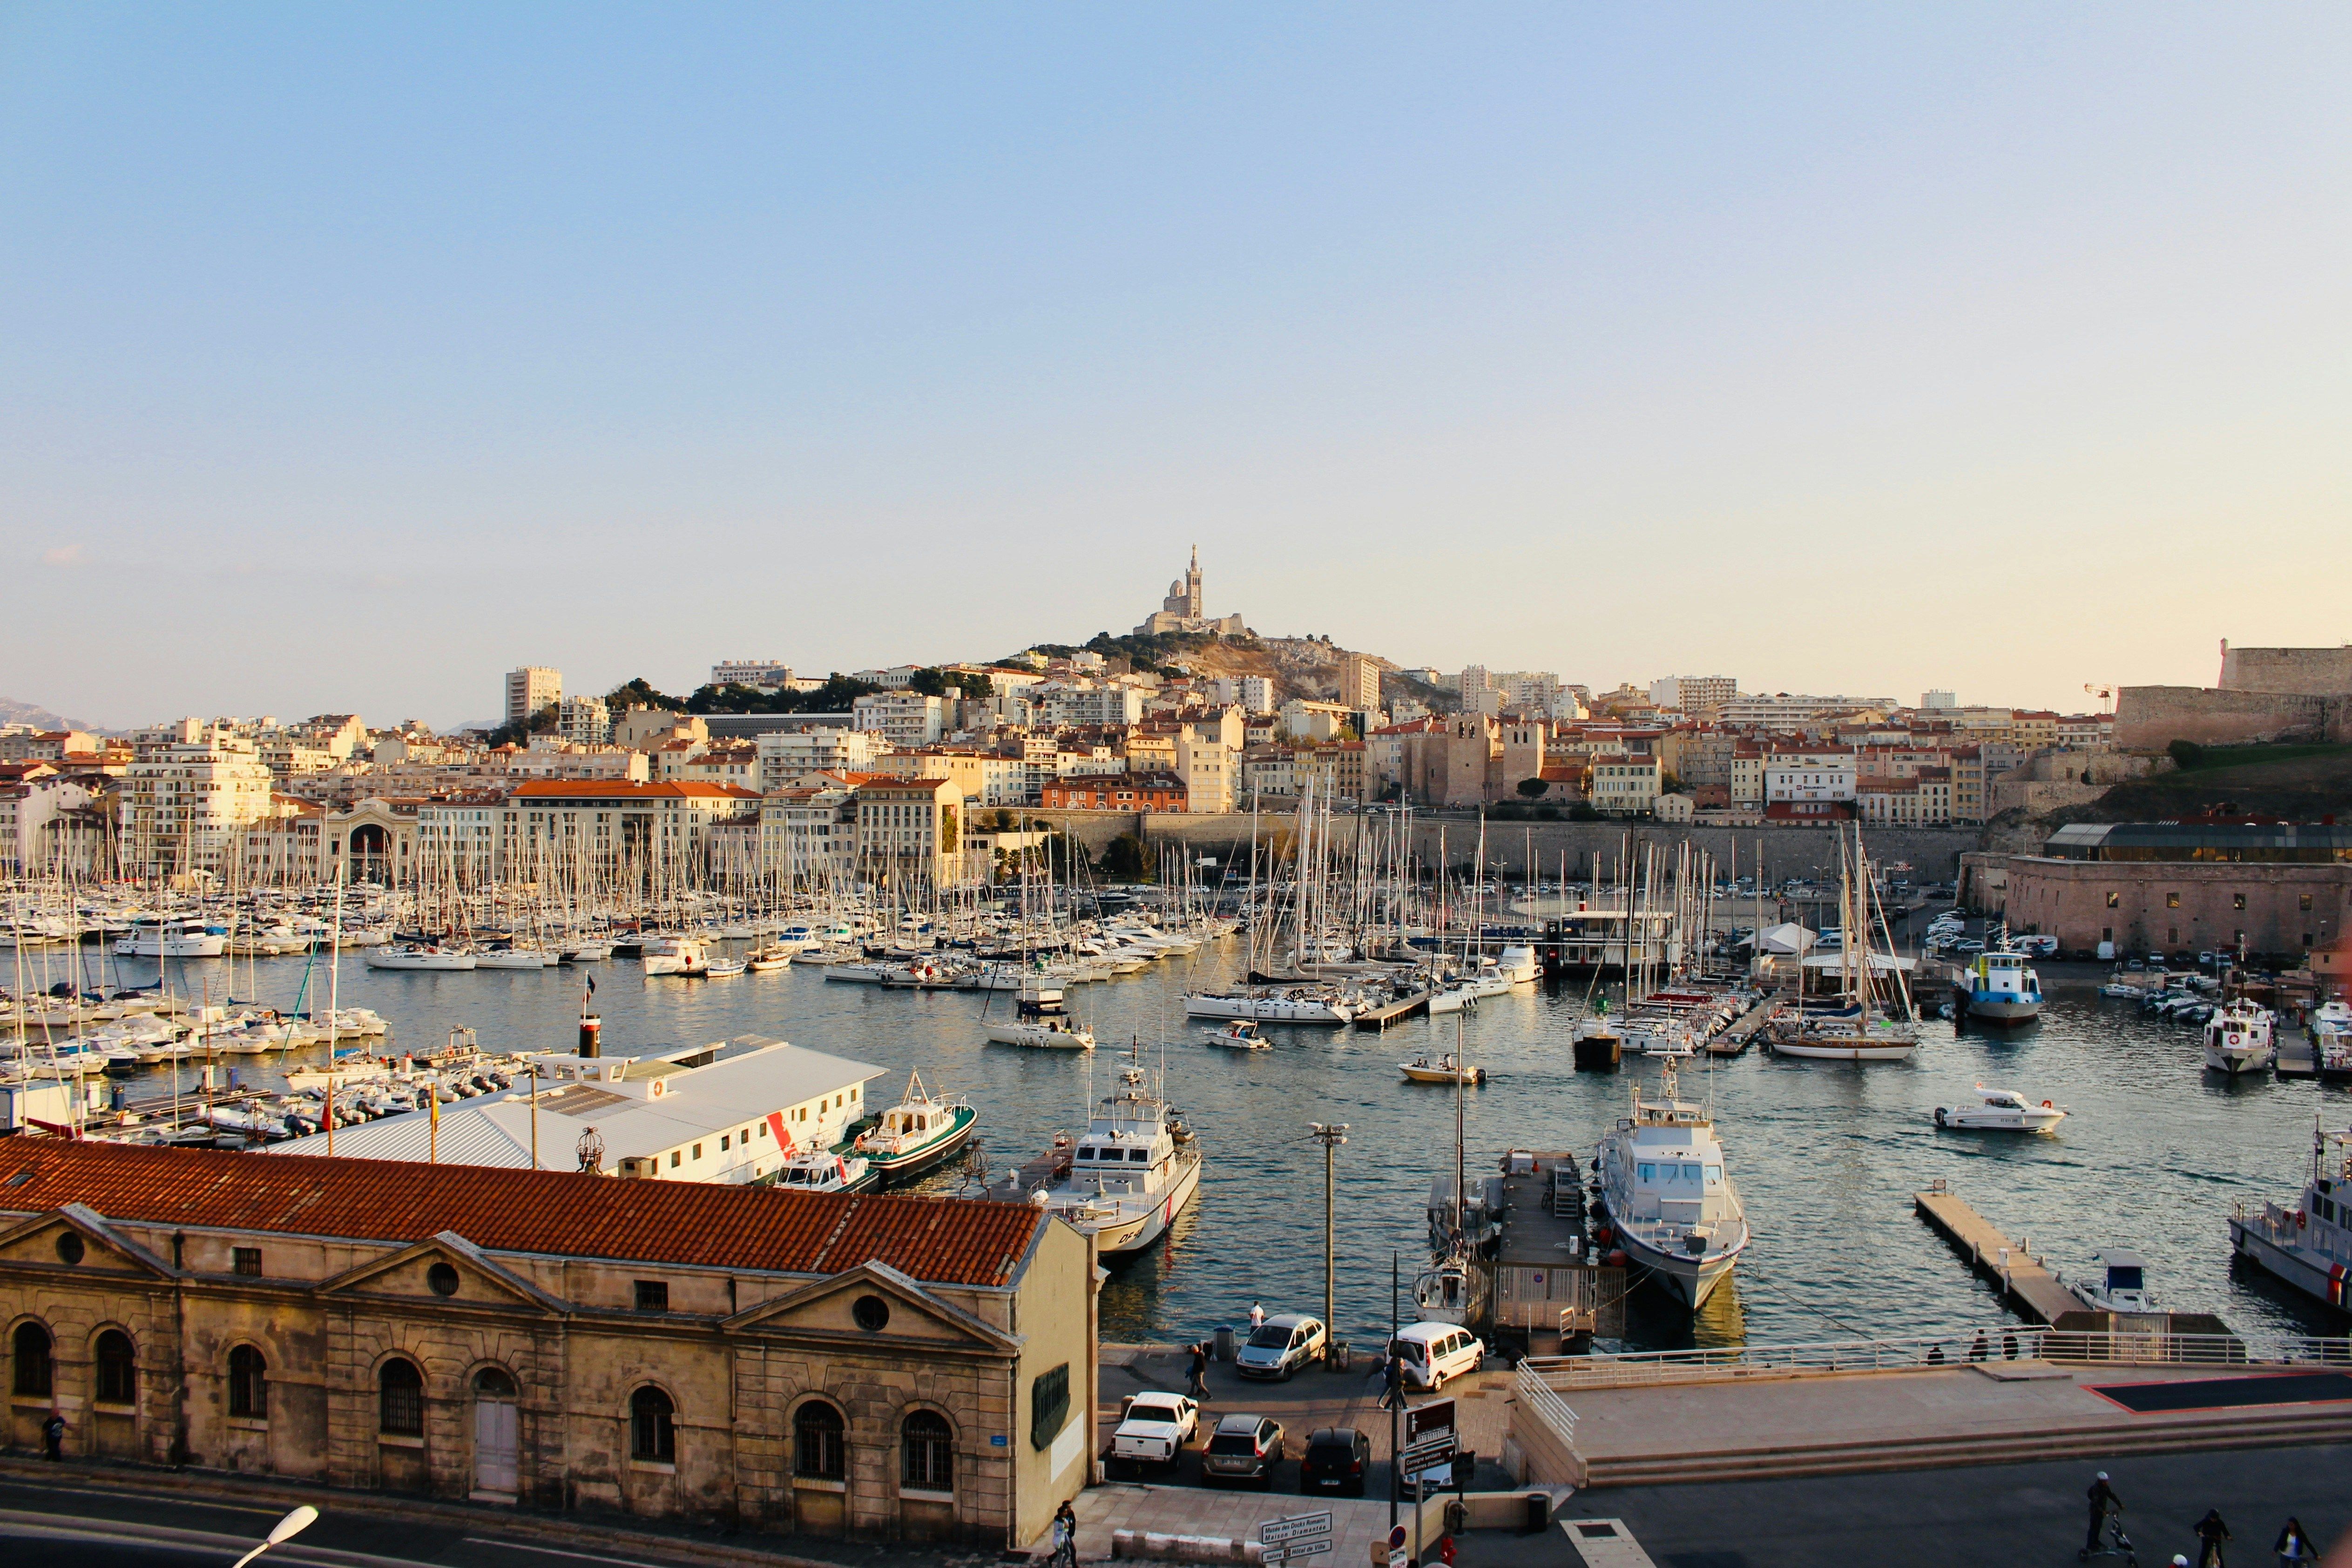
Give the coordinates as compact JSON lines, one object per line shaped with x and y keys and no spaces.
{"x":1670,"y":1204}
{"x":1999,"y":987}
{"x":678,"y":955}
{"x":2309,"y":1246}
{"x":917,"y":1133}
{"x":1133,"y":1172}
{"x":2238,"y":1039}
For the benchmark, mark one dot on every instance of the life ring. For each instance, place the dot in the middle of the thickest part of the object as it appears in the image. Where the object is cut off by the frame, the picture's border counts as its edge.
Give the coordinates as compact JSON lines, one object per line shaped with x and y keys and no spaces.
{"x":2047,"y":1106}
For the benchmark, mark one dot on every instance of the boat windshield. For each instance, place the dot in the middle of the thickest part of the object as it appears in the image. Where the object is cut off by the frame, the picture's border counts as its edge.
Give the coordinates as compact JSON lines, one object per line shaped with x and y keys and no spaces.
{"x":2122,"y":1278}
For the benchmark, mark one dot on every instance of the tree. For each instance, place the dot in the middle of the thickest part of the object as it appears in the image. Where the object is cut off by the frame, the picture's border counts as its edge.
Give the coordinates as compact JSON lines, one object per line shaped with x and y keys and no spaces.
{"x":520,"y":731}
{"x":1583,"y":811}
{"x":2185,"y":753}
{"x":1532,"y":788}
{"x":640,"y":693}
{"x":1128,"y":859}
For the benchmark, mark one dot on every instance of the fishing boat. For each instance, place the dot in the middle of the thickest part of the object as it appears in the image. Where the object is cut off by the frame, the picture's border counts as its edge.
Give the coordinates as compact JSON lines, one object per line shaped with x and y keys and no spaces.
{"x":917,"y":1133}
{"x":1998,"y":986}
{"x":2238,"y":1039}
{"x":1241,"y":1034}
{"x":1132,"y":1174}
{"x":2310,"y":1245}
{"x":1447,"y":1068}
{"x":1670,"y":1203}
{"x":2001,"y":1110}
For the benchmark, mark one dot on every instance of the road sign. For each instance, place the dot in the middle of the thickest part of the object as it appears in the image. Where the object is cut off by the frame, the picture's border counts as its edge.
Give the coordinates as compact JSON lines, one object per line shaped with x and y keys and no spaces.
{"x":1428,"y":1437}
{"x":1298,"y":1550}
{"x":1298,"y":1527}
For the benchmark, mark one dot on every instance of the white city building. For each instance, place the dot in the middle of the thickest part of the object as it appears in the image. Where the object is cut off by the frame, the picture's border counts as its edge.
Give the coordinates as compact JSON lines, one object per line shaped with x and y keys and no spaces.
{"x":531,"y":689}
{"x":789,"y":754}
{"x":905,"y":718}
{"x":763,"y":674}
{"x":183,"y":802}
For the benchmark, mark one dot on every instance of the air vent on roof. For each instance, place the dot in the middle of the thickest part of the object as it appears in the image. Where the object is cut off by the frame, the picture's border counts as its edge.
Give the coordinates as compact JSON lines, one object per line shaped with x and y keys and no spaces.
{"x":20,"y":1178}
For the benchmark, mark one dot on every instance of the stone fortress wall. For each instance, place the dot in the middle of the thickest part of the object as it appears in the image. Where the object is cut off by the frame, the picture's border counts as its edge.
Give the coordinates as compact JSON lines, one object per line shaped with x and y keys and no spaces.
{"x":2265,"y":694}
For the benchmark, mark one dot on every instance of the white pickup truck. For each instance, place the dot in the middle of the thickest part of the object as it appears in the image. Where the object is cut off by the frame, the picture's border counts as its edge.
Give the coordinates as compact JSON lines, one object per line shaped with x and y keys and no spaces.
{"x":1154,"y":1429}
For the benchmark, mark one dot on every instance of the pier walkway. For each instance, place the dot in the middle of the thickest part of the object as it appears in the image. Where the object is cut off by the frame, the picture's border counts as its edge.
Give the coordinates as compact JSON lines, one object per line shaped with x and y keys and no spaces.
{"x":1734,"y":1039}
{"x":1382,"y":1017}
{"x":2025,"y":1284}
{"x":2297,"y":1057}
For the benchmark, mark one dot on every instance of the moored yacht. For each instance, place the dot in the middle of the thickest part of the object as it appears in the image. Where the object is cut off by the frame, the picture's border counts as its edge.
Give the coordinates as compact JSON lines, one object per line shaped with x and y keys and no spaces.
{"x":2309,"y":1246}
{"x":1671,"y":1204}
{"x":1133,"y":1172}
{"x":677,"y":955}
{"x":172,"y":939}
{"x":1272,"y":1004}
{"x":418,"y":956}
{"x":2238,"y":1039}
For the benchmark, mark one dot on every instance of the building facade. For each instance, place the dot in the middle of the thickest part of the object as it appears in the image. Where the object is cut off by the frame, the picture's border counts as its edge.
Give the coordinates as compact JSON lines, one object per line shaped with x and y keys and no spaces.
{"x":887,"y":1367}
{"x":531,"y":689}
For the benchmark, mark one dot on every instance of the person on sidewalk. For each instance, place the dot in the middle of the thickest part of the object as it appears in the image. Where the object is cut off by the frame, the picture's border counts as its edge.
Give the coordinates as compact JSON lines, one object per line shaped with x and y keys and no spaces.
{"x":1257,"y":1317}
{"x":53,"y":1437}
{"x":2294,"y":1546}
{"x":1199,"y":1387}
{"x":2104,"y":1502}
{"x":1066,"y":1537}
{"x":2211,"y":1533}
{"x":1392,"y":1396}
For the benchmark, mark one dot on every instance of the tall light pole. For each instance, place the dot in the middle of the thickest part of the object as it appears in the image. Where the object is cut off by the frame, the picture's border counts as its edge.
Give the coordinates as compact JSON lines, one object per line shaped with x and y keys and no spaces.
{"x":1330,"y":1134}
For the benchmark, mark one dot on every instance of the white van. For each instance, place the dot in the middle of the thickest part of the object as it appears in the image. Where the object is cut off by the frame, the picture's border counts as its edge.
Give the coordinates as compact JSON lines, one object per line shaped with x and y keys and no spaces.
{"x":1434,"y":1354}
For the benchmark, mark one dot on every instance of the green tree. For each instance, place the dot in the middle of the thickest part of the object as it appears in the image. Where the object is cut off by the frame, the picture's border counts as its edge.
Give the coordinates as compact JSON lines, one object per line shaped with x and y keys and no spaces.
{"x":640,"y":693}
{"x":2185,"y":753}
{"x":1128,"y":859}
{"x":1532,"y":788}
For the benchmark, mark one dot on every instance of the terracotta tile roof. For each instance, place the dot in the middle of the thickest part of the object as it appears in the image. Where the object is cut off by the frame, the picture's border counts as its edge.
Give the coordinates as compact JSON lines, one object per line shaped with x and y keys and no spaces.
{"x":600,"y":789}
{"x":953,"y":1241}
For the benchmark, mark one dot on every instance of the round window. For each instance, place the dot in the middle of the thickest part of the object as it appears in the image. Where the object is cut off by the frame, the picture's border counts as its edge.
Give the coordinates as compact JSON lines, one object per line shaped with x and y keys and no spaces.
{"x":872,"y":1313}
{"x":441,"y":1280}
{"x":69,"y":1247}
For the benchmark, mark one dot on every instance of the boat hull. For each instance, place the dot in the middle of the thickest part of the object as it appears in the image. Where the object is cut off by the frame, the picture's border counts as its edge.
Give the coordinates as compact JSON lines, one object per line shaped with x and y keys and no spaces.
{"x":1692,"y":1279}
{"x":1037,"y":1040}
{"x":1267,"y":1009}
{"x":2238,"y":1063}
{"x":1989,"y":1008}
{"x":1833,"y":1050}
{"x":915,"y":1161}
{"x":2322,"y":1279}
{"x":1123,"y":1237}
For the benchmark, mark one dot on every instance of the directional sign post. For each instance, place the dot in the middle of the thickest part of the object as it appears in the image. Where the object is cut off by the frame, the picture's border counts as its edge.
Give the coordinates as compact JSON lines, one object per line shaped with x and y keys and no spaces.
{"x":1429,"y":1436}
{"x":1302,"y":1535}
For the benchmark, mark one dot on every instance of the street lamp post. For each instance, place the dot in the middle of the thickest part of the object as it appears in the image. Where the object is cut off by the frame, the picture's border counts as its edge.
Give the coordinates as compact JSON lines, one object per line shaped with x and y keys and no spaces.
{"x":1330,"y":1134}
{"x":285,"y":1530}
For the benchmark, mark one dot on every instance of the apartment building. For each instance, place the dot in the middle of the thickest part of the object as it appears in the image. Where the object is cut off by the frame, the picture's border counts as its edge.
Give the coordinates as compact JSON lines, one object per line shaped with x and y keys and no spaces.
{"x":909,"y":829}
{"x":906,"y":720}
{"x":182,"y":802}
{"x":1625,"y":786}
{"x":531,"y":689}
{"x":788,"y":754}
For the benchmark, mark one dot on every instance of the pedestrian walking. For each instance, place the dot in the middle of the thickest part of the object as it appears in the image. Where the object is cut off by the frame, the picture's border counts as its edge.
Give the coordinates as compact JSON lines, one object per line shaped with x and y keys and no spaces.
{"x":2211,"y":1533}
{"x":1392,"y":1394}
{"x":2104,"y":1502}
{"x":53,"y":1436}
{"x":2293,"y":1546}
{"x":1065,"y":1536}
{"x":1199,"y":1387}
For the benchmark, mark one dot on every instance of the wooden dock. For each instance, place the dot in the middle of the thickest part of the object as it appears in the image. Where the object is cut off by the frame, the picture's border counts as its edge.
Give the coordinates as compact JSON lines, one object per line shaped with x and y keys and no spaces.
{"x":1736,"y":1037}
{"x":2025,"y":1284}
{"x":1382,"y":1017}
{"x":2298,"y":1057}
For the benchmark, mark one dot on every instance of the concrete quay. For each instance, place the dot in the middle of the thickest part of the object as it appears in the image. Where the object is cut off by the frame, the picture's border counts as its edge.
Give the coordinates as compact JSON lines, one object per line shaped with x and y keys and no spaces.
{"x":2026,"y":1285}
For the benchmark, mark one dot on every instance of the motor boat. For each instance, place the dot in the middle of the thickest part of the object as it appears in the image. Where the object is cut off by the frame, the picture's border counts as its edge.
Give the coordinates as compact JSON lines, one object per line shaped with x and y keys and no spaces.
{"x":1672,"y":1206}
{"x":822,"y":1171}
{"x":2238,"y":1039}
{"x":917,"y":1133}
{"x":2310,"y":1245}
{"x":172,"y":939}
{"x":1443,"y":1069}
{"x":1241,"y":1034}
{"x":724,"y":968}
{"x":1998,"y":987}
{"x":2001,"y":1110}
{"x":2122,"y":1285}
{"x":423,"y":955}
{"x":1133,"y":1173}
{"x":678,"y":955}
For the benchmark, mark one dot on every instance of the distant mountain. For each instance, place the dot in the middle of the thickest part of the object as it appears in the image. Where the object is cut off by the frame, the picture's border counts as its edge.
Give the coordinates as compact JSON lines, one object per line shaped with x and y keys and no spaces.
{"x":13,"y":712}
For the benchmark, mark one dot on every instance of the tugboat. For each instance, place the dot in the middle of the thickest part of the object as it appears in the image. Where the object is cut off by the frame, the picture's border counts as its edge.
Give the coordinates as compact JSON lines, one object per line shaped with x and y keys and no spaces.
{"x":1998,"y":986}
{"x":1132,"y":1174}
{"x":1672,"y":1206}
{"x":2310,"y":1245}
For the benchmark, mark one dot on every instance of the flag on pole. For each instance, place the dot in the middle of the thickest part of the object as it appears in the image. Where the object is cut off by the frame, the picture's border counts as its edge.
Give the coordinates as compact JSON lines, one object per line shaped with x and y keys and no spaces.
{"x":592,"y":985}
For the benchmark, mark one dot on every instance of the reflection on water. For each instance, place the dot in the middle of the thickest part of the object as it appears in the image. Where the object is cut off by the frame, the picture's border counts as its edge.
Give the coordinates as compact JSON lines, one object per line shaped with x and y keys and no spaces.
{"x":1827,"y":1156}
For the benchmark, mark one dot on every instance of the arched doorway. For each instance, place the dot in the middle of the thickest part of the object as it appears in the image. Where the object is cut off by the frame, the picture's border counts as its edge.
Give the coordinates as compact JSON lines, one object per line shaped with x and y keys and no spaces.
{"x":496,"y":1433}
{"x":370,"y":849}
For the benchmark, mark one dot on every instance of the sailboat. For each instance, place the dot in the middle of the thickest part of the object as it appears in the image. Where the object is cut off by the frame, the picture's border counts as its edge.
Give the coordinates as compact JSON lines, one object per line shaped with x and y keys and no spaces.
{"x":1866,"y":1028}
{"x":1448,"y":1291}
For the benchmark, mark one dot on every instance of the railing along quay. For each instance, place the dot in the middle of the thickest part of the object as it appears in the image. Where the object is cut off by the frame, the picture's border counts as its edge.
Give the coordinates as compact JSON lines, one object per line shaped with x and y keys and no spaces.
{"x":2006,"y":1342}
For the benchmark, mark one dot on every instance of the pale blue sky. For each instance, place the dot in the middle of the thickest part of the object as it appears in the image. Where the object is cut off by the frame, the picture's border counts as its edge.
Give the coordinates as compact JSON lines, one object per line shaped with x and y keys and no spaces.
{"x":349,"y":357}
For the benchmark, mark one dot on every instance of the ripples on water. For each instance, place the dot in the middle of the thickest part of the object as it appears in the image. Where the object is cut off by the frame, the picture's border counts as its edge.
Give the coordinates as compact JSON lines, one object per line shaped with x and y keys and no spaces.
{"x":1826,"y":1156}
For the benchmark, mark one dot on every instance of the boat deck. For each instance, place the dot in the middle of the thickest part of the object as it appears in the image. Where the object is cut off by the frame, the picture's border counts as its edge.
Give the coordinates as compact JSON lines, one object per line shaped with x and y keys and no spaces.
{"x":2025,"y":1284}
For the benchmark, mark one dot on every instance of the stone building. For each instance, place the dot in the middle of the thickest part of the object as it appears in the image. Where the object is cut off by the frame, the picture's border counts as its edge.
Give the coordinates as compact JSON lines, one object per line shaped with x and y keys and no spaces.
{"x":2278,"y":890}
{"x":1186,"y":609}
{"x":889,"y":1367}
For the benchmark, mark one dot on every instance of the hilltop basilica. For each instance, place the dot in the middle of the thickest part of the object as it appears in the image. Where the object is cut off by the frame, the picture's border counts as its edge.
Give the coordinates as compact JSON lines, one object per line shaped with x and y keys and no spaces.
{"x":1182,"y":610}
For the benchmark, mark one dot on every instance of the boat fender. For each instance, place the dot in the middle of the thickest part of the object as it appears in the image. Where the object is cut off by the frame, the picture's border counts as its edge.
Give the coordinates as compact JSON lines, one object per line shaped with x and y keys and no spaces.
{"x":1617,"y":1258}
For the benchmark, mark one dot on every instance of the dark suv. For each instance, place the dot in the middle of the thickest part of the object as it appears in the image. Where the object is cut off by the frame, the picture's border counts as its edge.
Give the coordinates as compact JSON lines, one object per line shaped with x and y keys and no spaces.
{"x":1243,"y":1449}
{"x":1336,"y":1460}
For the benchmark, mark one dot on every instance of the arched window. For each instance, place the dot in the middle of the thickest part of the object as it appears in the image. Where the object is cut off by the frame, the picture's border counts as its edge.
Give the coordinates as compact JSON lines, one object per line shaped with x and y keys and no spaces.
{"x":818,"y":1448}
{"x":248,"y":1384}
{"x":926,"y":1452}
{"x":653,"y":1427}
{"x":117,"y":1369}
{"x":35,"y":1366}
{"x":492,"y":1383}
{"x":400,"y":1402}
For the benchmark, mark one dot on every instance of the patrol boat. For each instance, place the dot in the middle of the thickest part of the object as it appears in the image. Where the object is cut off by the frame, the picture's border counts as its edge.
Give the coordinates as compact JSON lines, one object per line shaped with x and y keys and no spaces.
{"x":1670,"y":1205}
{"x":2309,"y":1246}
{"x":1133,"y":1172}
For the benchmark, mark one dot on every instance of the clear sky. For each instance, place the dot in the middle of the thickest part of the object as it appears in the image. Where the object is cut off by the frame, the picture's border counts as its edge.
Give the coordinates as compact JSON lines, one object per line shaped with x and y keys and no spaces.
{"x":350,"y":355}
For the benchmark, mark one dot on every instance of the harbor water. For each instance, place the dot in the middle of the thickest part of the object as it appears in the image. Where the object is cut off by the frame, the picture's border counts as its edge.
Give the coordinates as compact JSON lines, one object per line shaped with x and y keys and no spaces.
{"x":1827,"y":1156}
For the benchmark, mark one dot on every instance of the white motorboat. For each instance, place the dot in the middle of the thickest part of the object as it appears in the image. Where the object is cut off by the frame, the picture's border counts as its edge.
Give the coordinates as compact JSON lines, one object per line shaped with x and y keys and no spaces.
{"x":822,"y":1171}
{"x":2001,"y":1110}
{"x":512,"y":957}
{"x":678,"y":955}
{"x":2309,"y":1246}
{"x":2331,"y":1040}
{"x":1040,"y":1034}
{"x":2122,"y":1285}
{"x":1271,"y":1005}
{"x":1447,"y":1068}
{"x":1998,"y":986}
{"x":1131,"y":1174}
{"x":1241,"y":1034}
{"x":172,"y":939}
{"x":418,"y":956}
{"x":2238,"y":1039}
{"x":1671,"y":1204}
{"x":1517,"y":964}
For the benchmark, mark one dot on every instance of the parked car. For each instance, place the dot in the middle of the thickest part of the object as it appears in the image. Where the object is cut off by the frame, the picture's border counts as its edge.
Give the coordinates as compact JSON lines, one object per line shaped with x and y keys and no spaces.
{"x":1434,"y":1354}
{"x":1154,"y":1429}
{"x":1280,"y":1346}
{"x":1243,"y":1449}
{"x":1337,"y":1460}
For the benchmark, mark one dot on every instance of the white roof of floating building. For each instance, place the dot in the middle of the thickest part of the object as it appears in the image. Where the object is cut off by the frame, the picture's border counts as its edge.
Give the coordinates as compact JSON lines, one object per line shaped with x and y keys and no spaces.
{"x":660,"y":1116}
